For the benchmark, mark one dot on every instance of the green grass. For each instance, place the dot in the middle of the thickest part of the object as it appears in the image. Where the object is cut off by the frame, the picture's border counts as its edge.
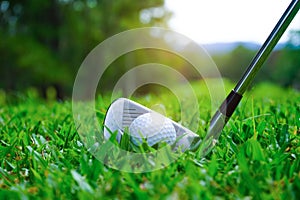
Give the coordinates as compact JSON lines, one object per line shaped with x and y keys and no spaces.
{"x":257,"y":156}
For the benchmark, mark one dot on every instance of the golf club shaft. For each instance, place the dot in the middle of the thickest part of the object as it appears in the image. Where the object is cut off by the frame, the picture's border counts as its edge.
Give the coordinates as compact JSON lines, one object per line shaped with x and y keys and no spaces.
{"x":228,"y":106}
{"x":267,"y":47}
{"x":233,"y":99}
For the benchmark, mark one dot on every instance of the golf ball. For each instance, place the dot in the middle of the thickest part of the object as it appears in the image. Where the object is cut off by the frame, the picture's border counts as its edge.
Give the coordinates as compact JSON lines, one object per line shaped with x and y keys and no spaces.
{"x":153,"y":128}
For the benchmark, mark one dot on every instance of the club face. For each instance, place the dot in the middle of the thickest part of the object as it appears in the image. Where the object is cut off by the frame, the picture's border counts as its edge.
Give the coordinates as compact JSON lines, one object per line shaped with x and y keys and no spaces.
{"x":122,"y":112}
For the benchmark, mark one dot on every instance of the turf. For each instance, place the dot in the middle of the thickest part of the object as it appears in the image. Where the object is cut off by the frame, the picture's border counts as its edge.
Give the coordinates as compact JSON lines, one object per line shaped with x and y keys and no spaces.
{"x":257,"y":156}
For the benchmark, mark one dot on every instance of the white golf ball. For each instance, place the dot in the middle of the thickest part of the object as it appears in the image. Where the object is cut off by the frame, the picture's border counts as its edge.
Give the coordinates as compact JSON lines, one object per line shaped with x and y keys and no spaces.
{"x":153,"y":128}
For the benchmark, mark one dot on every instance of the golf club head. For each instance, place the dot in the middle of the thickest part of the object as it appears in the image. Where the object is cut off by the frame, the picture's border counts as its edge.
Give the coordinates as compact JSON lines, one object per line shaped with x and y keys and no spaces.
{"x":122,"y":112}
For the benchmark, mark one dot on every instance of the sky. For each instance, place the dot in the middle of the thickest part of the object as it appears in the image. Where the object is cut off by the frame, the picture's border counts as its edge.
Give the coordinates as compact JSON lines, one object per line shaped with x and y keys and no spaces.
{"x":213,"y":21}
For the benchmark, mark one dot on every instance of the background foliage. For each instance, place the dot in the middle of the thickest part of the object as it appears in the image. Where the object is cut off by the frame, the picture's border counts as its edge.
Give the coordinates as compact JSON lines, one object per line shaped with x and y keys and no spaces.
{"x":44,"y":42}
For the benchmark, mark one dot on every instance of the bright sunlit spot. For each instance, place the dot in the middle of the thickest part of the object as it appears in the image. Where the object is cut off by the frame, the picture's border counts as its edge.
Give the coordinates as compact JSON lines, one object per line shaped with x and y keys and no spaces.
{"x":228,"y":21}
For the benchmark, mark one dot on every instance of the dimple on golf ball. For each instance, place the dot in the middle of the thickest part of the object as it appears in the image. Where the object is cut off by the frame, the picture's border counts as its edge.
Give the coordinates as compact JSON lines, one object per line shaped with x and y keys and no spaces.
{"x":153,"y":128}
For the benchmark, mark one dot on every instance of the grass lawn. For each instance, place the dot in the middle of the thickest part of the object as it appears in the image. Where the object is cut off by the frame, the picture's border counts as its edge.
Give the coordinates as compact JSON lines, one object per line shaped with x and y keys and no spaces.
{"x":257,"y":156}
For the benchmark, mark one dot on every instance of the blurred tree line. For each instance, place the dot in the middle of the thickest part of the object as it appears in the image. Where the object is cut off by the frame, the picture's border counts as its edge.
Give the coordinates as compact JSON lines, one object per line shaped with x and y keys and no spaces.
{"x":43,"y":43}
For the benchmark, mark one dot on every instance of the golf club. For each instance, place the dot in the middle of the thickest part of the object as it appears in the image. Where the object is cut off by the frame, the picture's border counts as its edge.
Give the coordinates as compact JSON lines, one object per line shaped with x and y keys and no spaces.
{"x":123,"y":112}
